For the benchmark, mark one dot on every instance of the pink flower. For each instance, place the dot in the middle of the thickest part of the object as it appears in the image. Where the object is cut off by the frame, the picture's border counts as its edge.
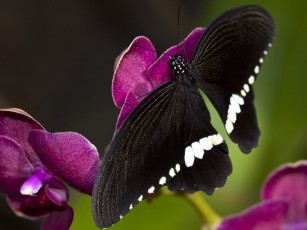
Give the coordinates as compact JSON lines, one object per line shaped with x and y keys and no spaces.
{"x":283,"y":206}
{"x":138,"y":71}
{"x":34,"y":164}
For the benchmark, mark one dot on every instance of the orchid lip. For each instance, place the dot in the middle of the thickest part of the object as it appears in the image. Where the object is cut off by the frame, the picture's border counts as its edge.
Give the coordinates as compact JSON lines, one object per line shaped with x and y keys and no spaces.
{"x":33,"y":184}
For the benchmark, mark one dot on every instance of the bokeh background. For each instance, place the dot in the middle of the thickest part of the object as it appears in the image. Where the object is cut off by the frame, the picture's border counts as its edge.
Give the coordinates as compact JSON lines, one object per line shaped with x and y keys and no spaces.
{"x":56,"y":63}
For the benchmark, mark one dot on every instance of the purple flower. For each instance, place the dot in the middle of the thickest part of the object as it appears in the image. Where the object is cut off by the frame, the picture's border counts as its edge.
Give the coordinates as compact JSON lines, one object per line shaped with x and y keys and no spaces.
{"x":34,"y":164}
{"x":283,"y":206}
{"x":138,"y":71}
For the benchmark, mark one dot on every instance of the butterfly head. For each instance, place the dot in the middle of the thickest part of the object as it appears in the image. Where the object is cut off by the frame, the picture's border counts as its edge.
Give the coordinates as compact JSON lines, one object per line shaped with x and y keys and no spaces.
{"x":177,"y":64}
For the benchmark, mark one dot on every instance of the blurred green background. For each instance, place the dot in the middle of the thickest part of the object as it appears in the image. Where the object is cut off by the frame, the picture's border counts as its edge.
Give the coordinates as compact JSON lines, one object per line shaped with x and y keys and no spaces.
{"x":56,"y":62}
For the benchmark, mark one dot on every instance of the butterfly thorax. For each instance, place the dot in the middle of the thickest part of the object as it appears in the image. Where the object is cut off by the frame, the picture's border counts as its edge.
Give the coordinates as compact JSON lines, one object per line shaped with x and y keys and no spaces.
{"x":178,"y":66}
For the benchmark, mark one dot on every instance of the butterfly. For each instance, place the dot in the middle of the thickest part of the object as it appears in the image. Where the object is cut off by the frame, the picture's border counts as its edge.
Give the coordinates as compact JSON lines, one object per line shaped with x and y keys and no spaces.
{"x":168,"y":140}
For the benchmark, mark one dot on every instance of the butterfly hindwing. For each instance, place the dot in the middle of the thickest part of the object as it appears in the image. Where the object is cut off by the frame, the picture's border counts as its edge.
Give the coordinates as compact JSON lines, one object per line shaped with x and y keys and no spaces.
{"x":148,"y":152}
{"x":210,"y":167}
{"x":226,"y":63}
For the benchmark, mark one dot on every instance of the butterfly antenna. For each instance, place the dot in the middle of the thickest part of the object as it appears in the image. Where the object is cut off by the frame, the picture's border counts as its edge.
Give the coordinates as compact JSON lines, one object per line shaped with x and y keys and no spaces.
{"x":178,"y":16}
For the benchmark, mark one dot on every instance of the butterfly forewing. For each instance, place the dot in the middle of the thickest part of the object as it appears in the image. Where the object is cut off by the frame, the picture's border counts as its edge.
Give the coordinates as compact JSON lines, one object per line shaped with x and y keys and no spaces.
{"x":226,"y":63}
{"x":148,"y":152}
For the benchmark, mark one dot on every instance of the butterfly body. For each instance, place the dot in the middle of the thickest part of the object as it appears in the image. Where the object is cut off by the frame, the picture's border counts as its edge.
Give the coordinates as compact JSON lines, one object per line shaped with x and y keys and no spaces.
{"x":167,"y":139}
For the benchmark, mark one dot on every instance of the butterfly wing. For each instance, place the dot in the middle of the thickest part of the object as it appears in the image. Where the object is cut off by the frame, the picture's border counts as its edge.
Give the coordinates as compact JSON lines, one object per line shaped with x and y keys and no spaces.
{"x":149,"y":151}
{"x":226,"y":62}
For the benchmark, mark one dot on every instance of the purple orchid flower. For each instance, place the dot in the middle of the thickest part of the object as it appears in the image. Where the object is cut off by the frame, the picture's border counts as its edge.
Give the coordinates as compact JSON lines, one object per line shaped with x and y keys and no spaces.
{"x":145,"y":71}
{"x":33,"y":164}
{"x":283,"y":206}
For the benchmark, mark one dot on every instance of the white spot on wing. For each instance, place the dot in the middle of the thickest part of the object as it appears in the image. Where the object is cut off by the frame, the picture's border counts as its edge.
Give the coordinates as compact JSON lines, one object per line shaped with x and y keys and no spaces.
{"x":243,"y":93}
{"x":265,"y":52}
{"x":188,"y":156}
{"x":232,"y":115}
{"x":256,"y":69}
{"x":172,"y":172}
{"x":261,"y":60}
{"x":212,"y":138}
{"x":151,"y":189}
{"x":217,"y":139}
{"x":197,"y":150}
{"x":177,"y":168}
{"x":120,"y":217}
{"x":162,"y":180}
{"x":140,"y":198}
{"x":234,"y":104}
{"x":229,"y":126}
{"x":239,"y":99}
{"x":205,"y":143}
{"x":251,"y":80}
{"x":130,"y":206}
{"x":246,"y":88}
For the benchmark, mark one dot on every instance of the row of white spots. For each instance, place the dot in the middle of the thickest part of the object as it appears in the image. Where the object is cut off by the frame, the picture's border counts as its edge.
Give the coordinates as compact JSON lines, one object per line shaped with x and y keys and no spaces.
{"x":234,"y":109}
{"x":162,"y":181}
{"x":236,"y":100}
{"x":172,"y":172}
{"x":150,"y":191}
{"x":197,"y":149}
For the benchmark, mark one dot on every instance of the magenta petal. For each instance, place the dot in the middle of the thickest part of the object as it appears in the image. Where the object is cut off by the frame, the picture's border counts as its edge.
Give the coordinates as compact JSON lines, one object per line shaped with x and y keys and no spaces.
{"x":130,"y":73}
{"x":69,"y":156}
{"x":59,"y":220}
{"x":159,"y":71}
{"x":58,"y":196}
{"x":33,"y":184}
{"x":24,"y":211}
{"x":14,"y":166}
{"x":17,"y":124}
{"x":131,"y":102}
{"x":289,"y":182}
{"x":270,"y":215}
{"x":16,"y":206}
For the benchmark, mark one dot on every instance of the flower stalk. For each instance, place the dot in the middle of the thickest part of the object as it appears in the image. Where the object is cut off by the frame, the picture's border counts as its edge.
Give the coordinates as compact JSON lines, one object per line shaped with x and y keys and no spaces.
{"x":208,"y":216}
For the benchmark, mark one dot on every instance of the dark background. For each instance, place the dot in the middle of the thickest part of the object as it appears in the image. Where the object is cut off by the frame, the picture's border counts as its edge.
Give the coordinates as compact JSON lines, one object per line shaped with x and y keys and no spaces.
{"x":56,"y":63}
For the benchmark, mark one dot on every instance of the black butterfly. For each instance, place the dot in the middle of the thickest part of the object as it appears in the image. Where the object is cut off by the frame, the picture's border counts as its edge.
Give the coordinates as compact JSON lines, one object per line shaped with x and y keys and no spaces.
{"x":168,"y":140}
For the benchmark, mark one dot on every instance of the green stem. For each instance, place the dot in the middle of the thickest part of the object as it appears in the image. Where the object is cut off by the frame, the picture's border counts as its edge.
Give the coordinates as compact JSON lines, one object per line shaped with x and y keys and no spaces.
{"x":209,"y":217}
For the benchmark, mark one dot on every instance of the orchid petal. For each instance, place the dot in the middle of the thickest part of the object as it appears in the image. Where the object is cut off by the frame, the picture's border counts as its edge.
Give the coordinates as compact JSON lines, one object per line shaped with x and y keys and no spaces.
{"x":17,"y":208}
{"x":131,"y":102}
{"x":69,"y":156}
{"x":58,"y":196}
{"x":17,"y":124}
{"x":289,"y":182}
{"x":30,"y":207}
{"x":265,"y":216}
{"x":130,"y":73}
{"x":159,"y":71}
{"x":135,"y":88}
{"x":33,"y":184}
{"x":59,"y":219}
{"x":14,"y":166}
